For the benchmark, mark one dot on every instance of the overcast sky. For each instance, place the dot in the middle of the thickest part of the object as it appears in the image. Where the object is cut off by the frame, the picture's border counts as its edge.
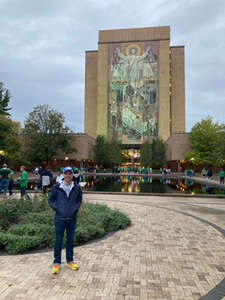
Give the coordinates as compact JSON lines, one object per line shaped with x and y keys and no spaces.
{"x":43,"y":43}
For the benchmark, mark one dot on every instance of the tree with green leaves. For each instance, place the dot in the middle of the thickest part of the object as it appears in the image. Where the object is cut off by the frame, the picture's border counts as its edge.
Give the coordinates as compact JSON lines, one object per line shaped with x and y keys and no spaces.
{"x":10,"y":141}
{"x":146,"y":154}
{"x":158,"y":152}
{"x":153,"y":154}
{"x":207,"y":143}
{"x":115,"y":153}
{"x":4,"y":100}
{"x":100,"y":151}
{"x":107,"y":153}
{"x":45,"y":134}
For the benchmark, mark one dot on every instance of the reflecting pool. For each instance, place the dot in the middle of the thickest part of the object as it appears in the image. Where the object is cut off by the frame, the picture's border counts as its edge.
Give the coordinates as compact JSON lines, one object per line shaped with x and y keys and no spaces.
{"x":138,"y":184}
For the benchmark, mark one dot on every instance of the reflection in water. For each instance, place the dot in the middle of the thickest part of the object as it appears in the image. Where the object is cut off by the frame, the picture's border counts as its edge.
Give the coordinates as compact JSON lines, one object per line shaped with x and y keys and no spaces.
{"x":147,"y":184}
{"x":140,"y":184}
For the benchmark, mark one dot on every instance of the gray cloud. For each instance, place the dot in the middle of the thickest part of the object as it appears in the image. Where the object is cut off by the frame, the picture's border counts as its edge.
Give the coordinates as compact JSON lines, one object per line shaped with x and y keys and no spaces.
{"x":43,"y":43}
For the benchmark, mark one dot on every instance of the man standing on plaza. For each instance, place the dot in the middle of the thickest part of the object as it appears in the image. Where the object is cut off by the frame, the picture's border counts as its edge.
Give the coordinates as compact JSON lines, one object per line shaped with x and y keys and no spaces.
{"x":65,"y":199}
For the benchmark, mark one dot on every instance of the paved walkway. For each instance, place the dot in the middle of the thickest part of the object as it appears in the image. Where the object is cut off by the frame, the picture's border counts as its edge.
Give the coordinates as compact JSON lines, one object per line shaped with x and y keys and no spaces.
{"x":175,"y":249}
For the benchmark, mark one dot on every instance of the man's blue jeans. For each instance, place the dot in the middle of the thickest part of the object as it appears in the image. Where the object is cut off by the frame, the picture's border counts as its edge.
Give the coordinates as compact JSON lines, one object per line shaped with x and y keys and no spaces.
{"x":22,"y":191}
{"x":4,"y":183}
{"x":60,"y":226}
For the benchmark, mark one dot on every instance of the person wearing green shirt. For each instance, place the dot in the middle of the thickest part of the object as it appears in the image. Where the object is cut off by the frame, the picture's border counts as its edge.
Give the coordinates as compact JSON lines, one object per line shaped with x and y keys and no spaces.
{"x":23,"y":181}
{"x":4,"y":181}
{"x":222,"y":176}
{"x":11,"y":177}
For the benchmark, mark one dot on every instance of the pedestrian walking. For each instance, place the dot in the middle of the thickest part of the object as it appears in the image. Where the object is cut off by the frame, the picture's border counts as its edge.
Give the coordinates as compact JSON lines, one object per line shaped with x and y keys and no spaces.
{"x":222,"y":176}
{"x":46,"y":179}
{"x":209,"y":174}
{"x":4,"y":181}
{"x":23,"y":180}
{"x":11,"y":182}
{"x":65,"y":199}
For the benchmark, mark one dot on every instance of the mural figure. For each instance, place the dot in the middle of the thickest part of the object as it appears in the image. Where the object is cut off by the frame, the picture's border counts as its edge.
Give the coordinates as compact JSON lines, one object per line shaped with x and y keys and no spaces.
{"x":133,"y":93}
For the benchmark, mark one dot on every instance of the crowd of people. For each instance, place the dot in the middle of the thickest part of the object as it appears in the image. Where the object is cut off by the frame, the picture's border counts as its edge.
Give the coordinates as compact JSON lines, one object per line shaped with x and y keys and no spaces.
{"x":44,"y":179}
{"x":7,"y":180}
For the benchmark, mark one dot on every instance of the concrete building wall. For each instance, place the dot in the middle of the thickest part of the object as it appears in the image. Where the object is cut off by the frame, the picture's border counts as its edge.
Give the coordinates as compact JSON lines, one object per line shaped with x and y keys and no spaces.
{"x":177,"y":89}
{"x":177,"y":146}
{"x":134,"y":34}
{"x":102,"y":90}
{"x":83,"y":143}
{"x":90,"y":117}
{"x":164,"y":100}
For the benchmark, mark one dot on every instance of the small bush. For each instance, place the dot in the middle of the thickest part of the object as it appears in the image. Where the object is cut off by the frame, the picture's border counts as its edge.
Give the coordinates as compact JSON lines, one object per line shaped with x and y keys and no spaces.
{"x":40,"y":203}
{"x":45,"y":217}
{"x":30,"y":229}
{"x":86,"y":232}
{"x":17,"y":244}
{"x":22,"y":237}
{"x":12,"y":209}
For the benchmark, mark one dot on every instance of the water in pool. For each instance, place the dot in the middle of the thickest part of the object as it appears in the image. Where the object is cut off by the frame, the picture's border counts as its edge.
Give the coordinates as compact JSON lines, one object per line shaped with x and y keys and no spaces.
{"x":140,"y":184}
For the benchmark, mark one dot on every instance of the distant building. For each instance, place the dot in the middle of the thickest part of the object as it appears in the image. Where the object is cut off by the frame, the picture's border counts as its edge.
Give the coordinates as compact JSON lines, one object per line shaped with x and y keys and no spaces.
{"x":134,"y":86}
{"x":134,"y":91}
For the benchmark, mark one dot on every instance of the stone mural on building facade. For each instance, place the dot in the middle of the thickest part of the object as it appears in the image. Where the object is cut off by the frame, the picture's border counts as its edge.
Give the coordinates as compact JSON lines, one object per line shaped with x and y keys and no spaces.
{"x":133,"y":91}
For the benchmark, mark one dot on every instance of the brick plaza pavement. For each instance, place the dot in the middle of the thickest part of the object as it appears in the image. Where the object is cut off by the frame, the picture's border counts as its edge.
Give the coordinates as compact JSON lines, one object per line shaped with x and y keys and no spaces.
{"x":175,"y":249}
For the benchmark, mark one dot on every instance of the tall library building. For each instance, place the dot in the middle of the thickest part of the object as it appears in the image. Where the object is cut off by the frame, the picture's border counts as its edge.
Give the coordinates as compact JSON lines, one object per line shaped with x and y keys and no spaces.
{"x":135,"y":90}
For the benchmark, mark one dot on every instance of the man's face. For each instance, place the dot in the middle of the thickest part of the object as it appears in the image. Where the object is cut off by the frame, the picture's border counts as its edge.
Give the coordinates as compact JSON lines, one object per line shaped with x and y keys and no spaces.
{"x":68,"y":176}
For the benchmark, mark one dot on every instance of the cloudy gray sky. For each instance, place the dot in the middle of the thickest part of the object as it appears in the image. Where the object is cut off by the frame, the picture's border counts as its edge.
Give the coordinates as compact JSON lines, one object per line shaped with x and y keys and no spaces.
{"x":43,"y":43}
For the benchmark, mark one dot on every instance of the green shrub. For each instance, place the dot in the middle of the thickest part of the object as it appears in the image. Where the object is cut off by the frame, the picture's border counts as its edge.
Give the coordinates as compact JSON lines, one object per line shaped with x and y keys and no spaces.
{"x":22,"y":237}
{"x":30,"y":229}
{"x":45,"y":217}
{"x":40,"y":203}
{"x":36,"y":224}
{"x":85,"y":232}
{"x":17,"y":244}
{"x":112,"y":220}
{"x":12,"y":209}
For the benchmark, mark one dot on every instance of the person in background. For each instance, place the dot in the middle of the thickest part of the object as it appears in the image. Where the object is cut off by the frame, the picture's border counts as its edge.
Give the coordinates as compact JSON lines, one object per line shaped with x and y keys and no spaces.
{"x":46,"y":179}
{"x":11,"y":182}
{"x":76,"y":177}
{"x":36,"y":171}
{"x":23,"y":181}
{"x":209,"y":174}
{"x":222,"y":176}
{"x":65,"y":199}
{"x":59,"y":177}
{"x":4,"y":181}
{"x":203,"y":172}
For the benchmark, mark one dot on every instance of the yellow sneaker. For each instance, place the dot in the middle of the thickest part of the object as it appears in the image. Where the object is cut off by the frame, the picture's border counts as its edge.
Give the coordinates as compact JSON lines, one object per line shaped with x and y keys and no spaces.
{"x":72,"y":265}
{"x":55,"y":269}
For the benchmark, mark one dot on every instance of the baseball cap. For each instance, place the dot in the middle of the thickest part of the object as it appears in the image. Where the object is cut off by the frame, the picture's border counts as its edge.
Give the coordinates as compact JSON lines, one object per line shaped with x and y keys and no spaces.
{"x":66,"y":169}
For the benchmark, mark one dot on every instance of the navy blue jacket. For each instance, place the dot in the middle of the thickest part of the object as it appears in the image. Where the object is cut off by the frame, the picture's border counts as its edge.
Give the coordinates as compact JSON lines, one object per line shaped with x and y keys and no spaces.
{"x":65,"y":208}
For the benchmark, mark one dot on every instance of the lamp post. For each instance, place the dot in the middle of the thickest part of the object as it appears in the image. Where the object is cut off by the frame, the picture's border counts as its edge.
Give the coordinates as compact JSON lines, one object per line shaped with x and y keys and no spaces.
{"x":2,"y":157}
